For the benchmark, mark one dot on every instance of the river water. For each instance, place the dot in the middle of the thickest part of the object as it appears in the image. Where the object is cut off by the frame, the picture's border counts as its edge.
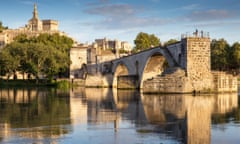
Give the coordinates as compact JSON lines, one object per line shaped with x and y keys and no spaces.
{"x":106,"y":116}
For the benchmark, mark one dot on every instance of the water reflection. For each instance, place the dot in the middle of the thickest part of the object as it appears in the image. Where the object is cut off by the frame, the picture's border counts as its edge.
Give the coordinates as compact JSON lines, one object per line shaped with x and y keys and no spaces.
{"x":186,"y":117}
{"x":50,"y":115}
{"x":33,"y":113}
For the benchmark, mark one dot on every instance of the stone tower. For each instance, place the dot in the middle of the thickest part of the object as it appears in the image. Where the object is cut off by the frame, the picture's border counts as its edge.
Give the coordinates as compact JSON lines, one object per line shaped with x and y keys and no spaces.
{"x":35,"y":12}
{"x":196,"y":60}
{"x":35,"y":24}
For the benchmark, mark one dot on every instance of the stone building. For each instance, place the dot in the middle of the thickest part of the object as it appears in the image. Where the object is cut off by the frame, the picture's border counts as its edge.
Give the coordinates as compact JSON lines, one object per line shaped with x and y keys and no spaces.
{"x":35,"y":24}
{"x":100,"y":51}
{"x":34,"y":27}
{"x":115,"y":45}
{"x":78,"y":57}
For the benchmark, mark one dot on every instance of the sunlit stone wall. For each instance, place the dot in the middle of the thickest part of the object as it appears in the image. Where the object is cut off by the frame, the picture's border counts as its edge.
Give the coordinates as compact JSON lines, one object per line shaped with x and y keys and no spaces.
{"x":192,"y":72}
{"x":197,"y":64}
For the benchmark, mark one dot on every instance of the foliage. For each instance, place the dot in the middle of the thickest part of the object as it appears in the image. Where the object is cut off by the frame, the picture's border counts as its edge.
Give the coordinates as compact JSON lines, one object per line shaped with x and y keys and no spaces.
{"x":235,"y":56}
{"x":2,"y":27}
{"x":123,"y":51}
{"x":219,"y":54}
{"x":225,"y":57}
{"x":63,"y":85}
{"x":144,"y":41}
{"x":169,"y":42}
{"x":46,"y":55}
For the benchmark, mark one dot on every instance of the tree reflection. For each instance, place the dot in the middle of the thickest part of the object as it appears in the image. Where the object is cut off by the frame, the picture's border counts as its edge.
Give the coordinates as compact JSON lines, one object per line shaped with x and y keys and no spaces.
{"x":48,"y":113}
{"x":41,"y":111}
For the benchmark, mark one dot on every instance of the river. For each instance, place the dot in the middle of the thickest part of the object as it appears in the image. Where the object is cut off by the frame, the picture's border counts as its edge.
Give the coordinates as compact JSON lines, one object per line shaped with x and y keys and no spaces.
{"x":110,"y":116}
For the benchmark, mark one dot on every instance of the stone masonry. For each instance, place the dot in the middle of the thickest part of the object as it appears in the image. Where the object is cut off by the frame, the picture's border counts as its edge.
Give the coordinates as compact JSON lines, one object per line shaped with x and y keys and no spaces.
{"x":182,"y":67}
{"x":193,"y":73}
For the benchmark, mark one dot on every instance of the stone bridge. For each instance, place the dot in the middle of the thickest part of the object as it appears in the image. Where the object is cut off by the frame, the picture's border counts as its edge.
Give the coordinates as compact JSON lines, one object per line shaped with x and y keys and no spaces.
{"x":181,"y":67}
{"x":130,"y":71}
{"x":136,"y":68}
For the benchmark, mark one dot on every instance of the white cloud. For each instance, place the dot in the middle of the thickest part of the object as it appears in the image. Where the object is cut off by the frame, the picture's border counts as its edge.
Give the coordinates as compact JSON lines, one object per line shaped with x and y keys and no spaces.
{"x":113,"y":10}
{"x":210,"y":15}
{"x":122,"y":16}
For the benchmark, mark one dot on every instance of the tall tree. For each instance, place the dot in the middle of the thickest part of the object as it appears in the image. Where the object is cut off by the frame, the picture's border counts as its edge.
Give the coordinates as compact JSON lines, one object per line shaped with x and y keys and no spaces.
{"x":10,"y":59}
{"x":169,"y":42}
{"x":235,"y":56}
{"x":219,"y":54}
{"x":2,"y":27}
{"x":144,"y":41}
{"x":45,"y":55}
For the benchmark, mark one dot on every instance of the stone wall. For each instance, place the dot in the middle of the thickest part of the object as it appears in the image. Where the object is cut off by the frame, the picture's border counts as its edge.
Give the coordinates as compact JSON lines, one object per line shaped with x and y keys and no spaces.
{"x":224,"y":82}
{"x":173,"y":80}
{"x":194,"y":71}
{"x":78,"y":57}
{"x":198,"y":64}
{"x":98,"y":80}
{"x":127,"y":82}
{"x":175,"y":50}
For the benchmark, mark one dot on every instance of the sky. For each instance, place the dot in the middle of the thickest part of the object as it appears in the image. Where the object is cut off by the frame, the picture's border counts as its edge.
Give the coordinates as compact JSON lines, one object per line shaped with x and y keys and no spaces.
{"x":87,"y":20}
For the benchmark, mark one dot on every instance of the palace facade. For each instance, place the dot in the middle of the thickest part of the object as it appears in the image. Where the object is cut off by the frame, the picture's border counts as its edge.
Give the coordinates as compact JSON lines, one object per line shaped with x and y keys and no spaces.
{"x":34,"y":27}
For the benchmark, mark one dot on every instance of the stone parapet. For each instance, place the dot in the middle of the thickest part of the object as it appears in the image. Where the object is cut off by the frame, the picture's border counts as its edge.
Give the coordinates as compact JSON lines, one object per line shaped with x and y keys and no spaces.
{"x":224,"y":82}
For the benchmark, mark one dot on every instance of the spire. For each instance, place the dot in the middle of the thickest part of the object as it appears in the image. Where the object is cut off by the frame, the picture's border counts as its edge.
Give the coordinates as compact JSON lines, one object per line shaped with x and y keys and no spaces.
{"x":35,"y":12}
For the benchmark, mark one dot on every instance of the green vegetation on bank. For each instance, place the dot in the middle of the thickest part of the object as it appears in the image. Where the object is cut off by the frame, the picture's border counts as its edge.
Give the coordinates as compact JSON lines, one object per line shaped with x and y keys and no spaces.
{"x":2,"y":27}
{"x":32,"y":83}
{"x":225,"y":57}
{"x":46,"y":55}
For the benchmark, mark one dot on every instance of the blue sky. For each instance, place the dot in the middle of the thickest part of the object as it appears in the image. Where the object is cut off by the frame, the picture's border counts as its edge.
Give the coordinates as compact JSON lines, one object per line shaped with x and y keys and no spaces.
{"x":87,"y":20}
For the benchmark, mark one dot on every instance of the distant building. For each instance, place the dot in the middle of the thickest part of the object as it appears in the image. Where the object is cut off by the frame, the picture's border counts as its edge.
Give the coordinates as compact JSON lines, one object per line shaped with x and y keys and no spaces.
{"x":78,"y":57}
{"x":34,"y":27}
{"x":102,"y":50}
{"x":114,"y":45}
{"x":35,"y":24}
{"x":81,"y":55}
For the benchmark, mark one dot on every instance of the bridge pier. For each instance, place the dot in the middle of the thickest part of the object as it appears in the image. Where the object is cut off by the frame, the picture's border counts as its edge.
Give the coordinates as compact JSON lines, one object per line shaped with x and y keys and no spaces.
{"x":127,"y":82}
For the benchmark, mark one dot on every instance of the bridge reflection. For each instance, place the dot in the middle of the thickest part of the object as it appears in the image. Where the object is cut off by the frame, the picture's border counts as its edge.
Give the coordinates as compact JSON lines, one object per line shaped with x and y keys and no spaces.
{"x":51,"y":113}
{"x":187,"y":117}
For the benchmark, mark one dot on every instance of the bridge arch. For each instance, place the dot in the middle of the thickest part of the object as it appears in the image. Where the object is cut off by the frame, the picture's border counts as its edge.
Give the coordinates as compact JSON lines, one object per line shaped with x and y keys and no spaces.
{"x":140,"y":67}
{"x":120,"y":70}
{"x":154,"y":65}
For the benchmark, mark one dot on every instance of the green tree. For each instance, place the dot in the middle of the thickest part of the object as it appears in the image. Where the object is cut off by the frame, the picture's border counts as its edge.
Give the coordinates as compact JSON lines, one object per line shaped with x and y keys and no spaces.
{"x":2,"y":27}
{"x":234,"y":58}
{"x":169,"y":42}
{"x":219,"y":54}
{"x":22,"y":38}
{"x":144,"y":41}
{"x":46,"y":55}
{"x":10,"y":59}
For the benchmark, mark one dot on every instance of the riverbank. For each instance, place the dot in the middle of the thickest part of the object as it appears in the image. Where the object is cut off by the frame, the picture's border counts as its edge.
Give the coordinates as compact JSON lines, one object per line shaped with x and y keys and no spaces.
{"x":25,"y":83}
{"x":33,"y":83}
